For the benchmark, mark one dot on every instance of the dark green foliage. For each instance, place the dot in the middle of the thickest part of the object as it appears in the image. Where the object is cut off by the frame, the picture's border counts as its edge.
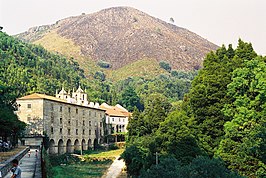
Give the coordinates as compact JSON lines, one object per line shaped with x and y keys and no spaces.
{"x":184,"y":75}
{"x":10,"y":125}
{"x":175,"y":136}
{"x":165,"y":65}
{"x":204,"y":167}
{"x":167,"y":168}
{"x":208,"y":94}
{"x":104,"y":64}
{"x":244,"y":145}
{"x":223,"y":114}
{"x":200,"y":167}
{"x":99,"y":75}
{"x":130,"y":99}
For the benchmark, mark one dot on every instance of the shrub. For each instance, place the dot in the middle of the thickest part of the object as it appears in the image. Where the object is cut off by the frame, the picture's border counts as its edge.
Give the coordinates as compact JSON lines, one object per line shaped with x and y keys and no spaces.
{"x":104,"y":64}
{"x":165,"y":65}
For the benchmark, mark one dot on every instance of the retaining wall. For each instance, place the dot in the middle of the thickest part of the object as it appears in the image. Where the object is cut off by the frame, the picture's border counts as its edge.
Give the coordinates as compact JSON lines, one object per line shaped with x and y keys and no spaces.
{"x":7,"y":165}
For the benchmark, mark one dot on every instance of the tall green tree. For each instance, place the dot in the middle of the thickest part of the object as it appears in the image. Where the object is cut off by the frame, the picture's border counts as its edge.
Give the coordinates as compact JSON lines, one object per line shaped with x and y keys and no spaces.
{"x":208,"y":94}
{"x":130,"y":99}
{"x":244,"y":145}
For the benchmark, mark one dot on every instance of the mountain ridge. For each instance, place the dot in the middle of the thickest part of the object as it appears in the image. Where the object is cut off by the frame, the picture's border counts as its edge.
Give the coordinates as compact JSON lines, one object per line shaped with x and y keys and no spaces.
{"x":123,"y":35}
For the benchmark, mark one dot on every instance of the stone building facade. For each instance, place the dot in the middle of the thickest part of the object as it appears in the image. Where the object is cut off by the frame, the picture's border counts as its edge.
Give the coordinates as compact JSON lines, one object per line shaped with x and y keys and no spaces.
{"x":116,"y":118}
{"x":70,"y":121}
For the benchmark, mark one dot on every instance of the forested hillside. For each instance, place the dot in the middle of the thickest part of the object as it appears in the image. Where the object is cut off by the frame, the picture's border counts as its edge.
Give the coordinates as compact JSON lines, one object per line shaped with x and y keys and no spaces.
{"x":27,"y":68}
{"x":218,"y":130}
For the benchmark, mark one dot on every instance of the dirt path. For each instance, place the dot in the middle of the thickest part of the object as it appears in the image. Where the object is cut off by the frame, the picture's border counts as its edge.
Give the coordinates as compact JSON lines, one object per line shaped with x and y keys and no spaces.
{"x":115,"y":168}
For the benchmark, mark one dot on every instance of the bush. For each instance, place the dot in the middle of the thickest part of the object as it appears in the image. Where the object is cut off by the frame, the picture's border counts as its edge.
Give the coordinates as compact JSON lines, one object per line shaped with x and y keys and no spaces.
{"x":99,"y":75}
{"x":165,"y":65}
{"x":113,"y":147}
{"x":104,"y":64}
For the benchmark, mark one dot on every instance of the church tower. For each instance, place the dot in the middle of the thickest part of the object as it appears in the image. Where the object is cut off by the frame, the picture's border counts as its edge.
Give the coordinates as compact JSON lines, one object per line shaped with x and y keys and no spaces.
{"x":80,"y":96}
{"x":63,"y":94}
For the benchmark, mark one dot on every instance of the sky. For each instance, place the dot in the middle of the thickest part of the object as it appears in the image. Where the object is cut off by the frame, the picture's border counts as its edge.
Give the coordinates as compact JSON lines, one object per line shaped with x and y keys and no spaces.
{"x":219,"y":21}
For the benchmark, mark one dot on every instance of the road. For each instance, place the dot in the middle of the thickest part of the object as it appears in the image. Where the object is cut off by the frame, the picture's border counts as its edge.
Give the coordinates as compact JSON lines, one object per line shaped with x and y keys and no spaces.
{"x":115,"y":168}
{"x":30,"y":166}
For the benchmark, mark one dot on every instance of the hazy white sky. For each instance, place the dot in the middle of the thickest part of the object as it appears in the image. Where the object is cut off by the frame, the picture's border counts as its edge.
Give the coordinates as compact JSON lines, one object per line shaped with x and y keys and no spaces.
{"x":219,"y":21}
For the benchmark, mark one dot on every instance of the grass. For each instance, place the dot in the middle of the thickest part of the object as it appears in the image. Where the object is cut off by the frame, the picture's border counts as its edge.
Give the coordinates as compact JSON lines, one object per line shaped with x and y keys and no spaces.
{"x":81,"y":170}
{"x":106,"y":154}
{"x":6,"y":155}
{"x":93,"y":164}
{"x":147,"y":68}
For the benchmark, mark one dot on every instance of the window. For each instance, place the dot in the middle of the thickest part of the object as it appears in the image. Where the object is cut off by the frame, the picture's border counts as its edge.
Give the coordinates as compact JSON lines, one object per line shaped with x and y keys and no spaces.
{"x":89,"y":132}
{"x":113,"y":119}
{"x":77,"y":123}
{"x":52,"y":119}
{"x":52,"y":130}
{"x":61,"y":109}
{"x":100,"y":132}
{"x":52,"y":107}
{"x":83,"y":123}
{"x":95,"y":132}
{"x":83,"y":112}
{"x":95,"y":114}
{"x":123,"y":120}
{"x":89,"y":123}
{"x":83,"y":132}
{"x":69,"y":109}
{"x":69,"y":122}
{"x":68,"y":131}
{"x":100,"y":124}
{"x":29,"y":105}
{"x":61,"y":130}
{"x":61,"y":121}
{"x":119,"y":119}
{"x":77,"y":131}
{"x":89,"y":113}
{"x":28,"y":118}
{"x":77,"y":111}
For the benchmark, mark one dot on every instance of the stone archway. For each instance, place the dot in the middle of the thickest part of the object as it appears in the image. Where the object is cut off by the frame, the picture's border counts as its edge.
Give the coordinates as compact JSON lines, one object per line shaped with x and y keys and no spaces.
{"x":83,"y":144}
{"x":76,"y":145}
{"x":61,"y":147}
{"x":68,"y":146}
{"x":95,"y":144}
{"x":89,"y":144}
{"x":51,"y":147}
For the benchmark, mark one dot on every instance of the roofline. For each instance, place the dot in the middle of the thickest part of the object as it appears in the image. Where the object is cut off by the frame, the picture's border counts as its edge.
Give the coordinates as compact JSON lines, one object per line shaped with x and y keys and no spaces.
{"x":63,"y":102}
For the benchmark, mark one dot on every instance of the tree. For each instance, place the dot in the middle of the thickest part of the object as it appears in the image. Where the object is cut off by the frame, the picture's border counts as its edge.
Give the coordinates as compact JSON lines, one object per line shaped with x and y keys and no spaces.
{"x":243,"y":147}
{"x":204,"y":167}
{"x":130,"y":99}
{"x":172,"y":20}
{"x":208,"y":94}
{"x":166,"y":66}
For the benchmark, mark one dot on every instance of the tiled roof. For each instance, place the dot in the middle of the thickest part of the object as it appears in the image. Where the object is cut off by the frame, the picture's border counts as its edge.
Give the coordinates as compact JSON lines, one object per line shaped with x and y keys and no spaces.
{"x":52,"y":98}
{"x":115,"y":110}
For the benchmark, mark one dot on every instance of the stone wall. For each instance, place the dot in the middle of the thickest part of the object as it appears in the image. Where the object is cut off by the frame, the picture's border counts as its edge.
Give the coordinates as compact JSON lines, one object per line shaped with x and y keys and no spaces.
{"x":7,"y":165}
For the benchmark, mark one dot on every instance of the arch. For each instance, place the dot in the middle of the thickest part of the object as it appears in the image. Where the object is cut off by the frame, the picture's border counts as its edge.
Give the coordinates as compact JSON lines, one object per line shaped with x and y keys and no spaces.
{"x":100,"y":140}
{"x":60,"y":147}
{"x":52,"y":147}
{"x":68,"y":146}
{"x":83,"y":144}
{"x":89,"y":144}
{"x":95,"y":144}
{"x":76,"y":145}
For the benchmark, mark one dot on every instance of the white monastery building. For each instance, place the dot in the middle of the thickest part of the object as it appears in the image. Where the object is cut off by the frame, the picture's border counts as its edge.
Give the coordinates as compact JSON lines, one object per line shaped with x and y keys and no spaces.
{"x":69,"y":120}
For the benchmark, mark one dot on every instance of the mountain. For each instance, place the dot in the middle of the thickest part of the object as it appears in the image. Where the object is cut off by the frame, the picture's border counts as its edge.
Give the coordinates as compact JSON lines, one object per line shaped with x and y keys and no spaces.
{"x":120,"y":36}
